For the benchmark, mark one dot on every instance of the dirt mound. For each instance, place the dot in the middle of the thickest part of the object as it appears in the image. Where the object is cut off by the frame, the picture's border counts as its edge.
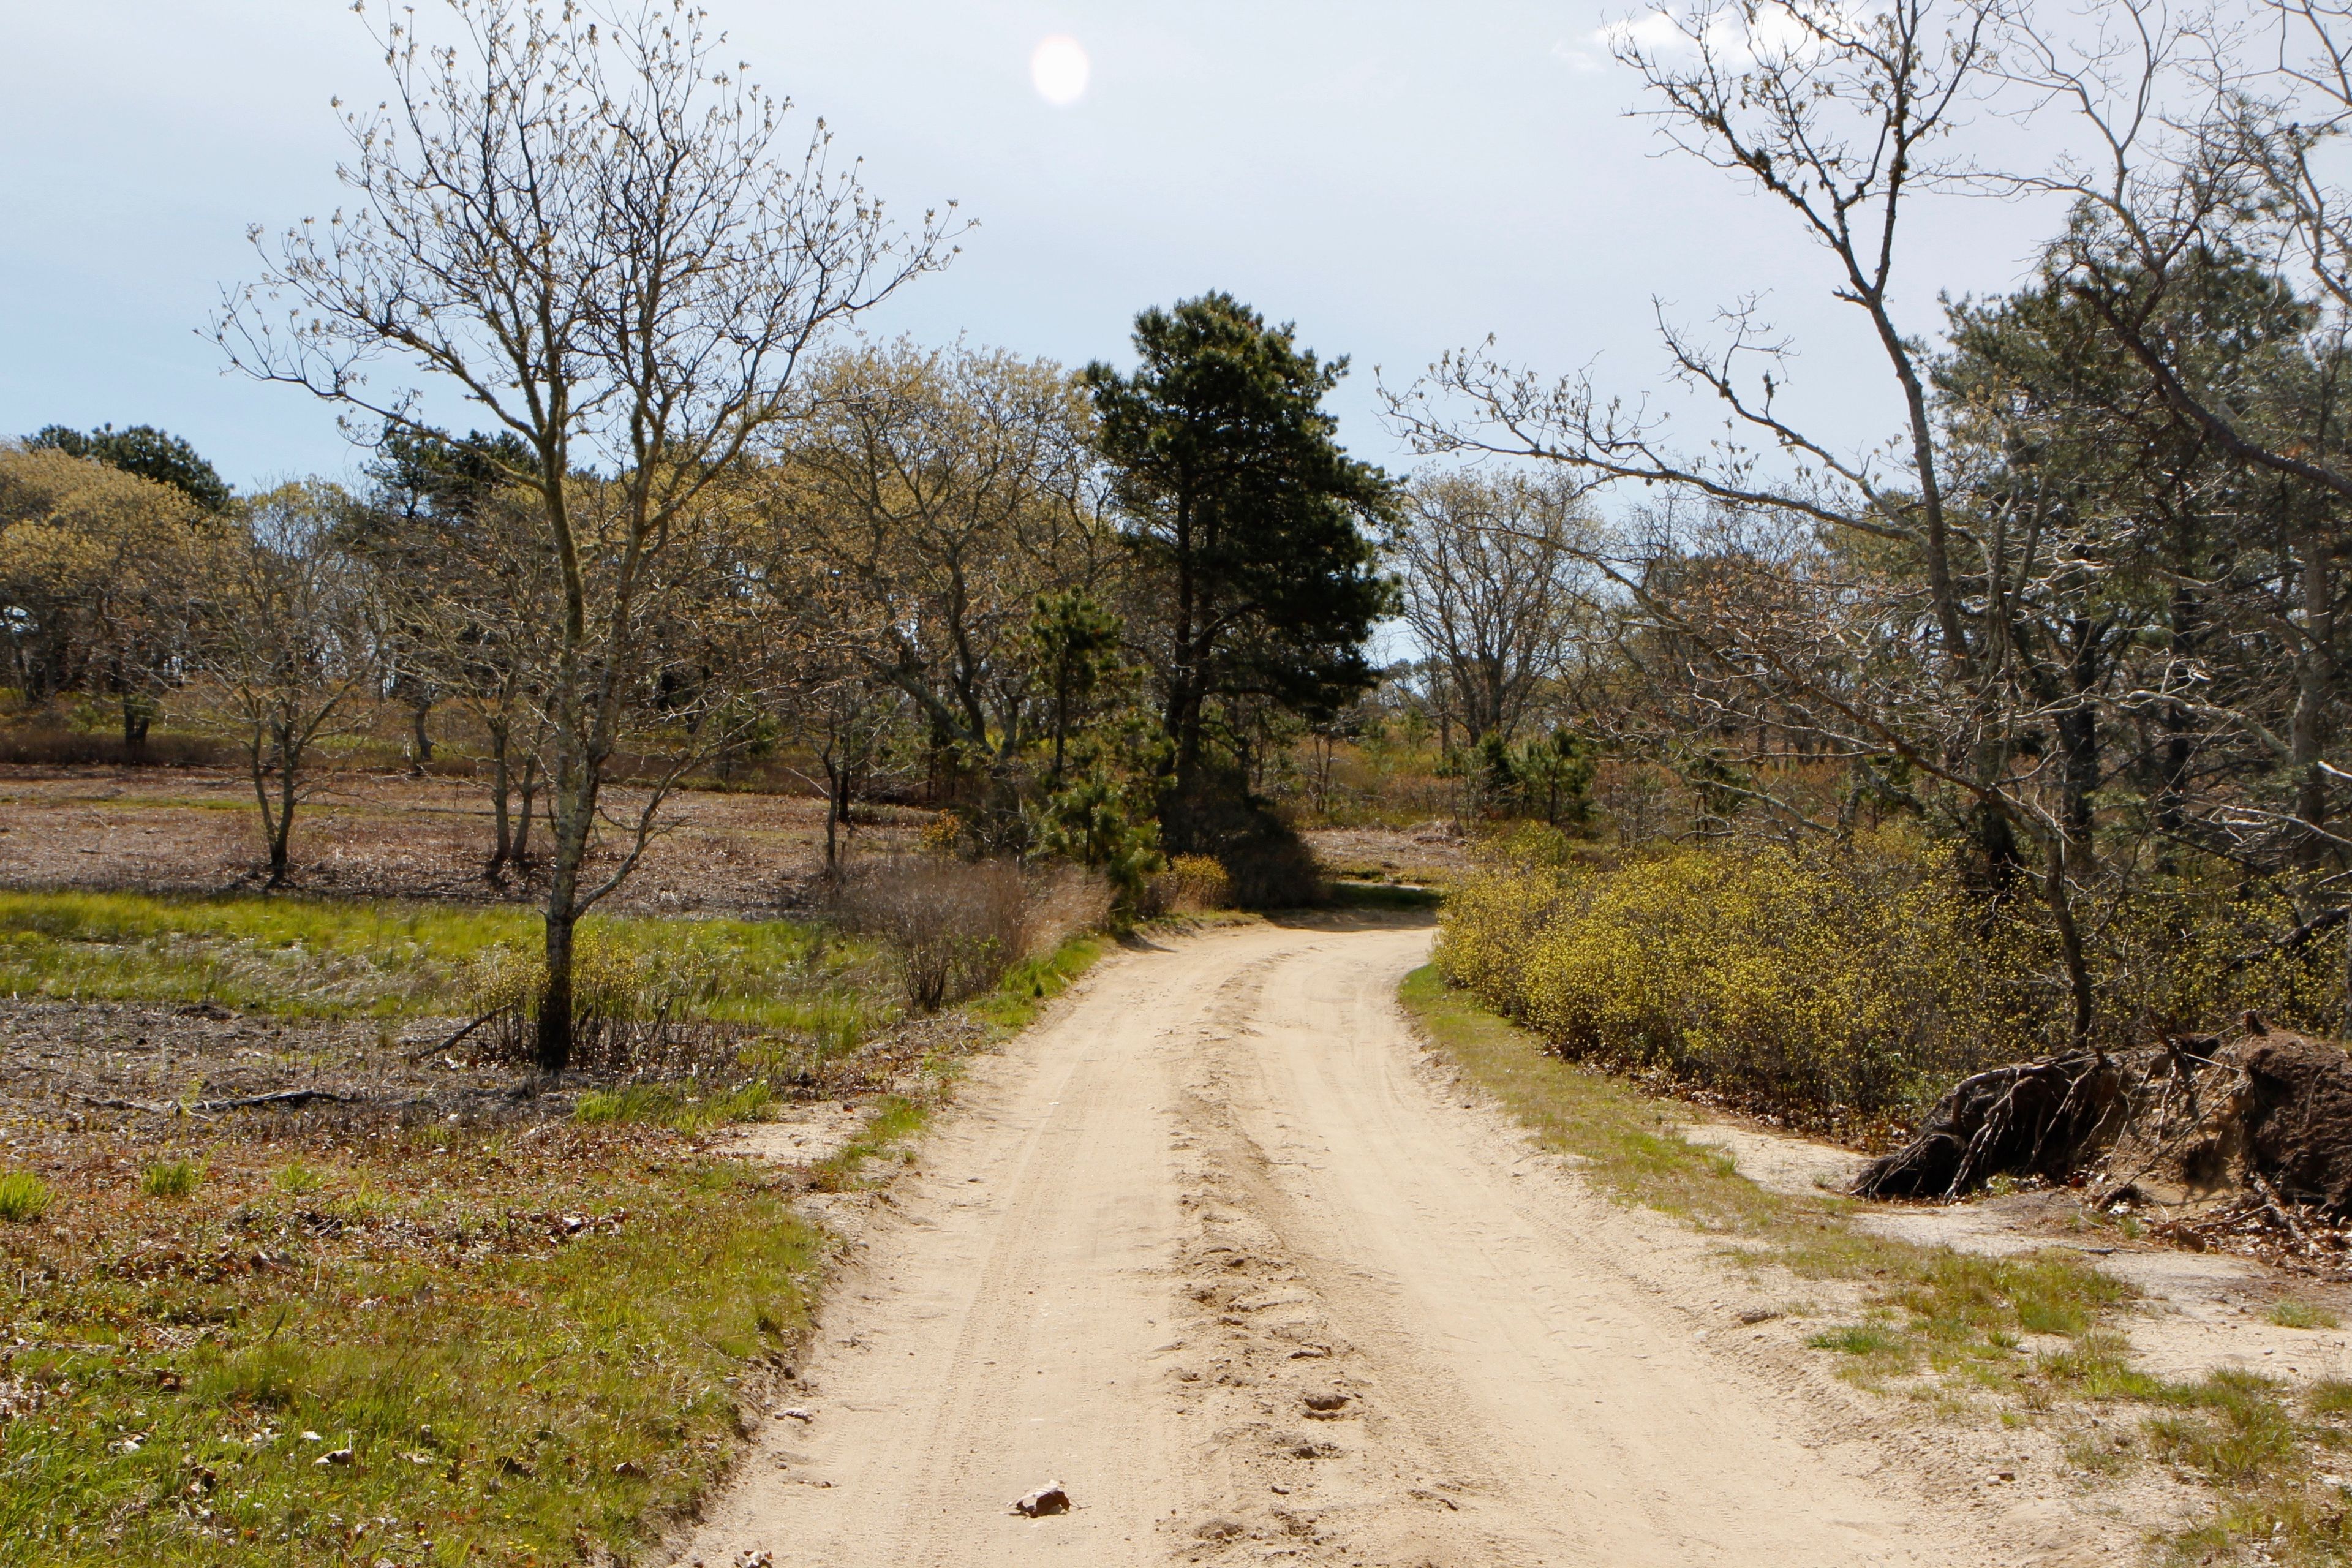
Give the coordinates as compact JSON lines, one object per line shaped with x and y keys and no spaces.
{"x":2188,"y":1126}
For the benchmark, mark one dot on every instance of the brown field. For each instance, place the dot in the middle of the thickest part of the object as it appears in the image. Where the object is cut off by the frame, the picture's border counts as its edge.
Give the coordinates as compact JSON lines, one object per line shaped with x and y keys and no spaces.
{"x":388,"y":835}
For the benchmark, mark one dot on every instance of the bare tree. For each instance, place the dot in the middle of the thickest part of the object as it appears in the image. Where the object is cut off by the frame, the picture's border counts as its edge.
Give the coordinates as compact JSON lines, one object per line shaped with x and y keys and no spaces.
{"x":1495,"y":586}
{"x":579,"y":223}
{"x":285,"y":648}
{"x":939,"y":494}
{"x":474,"y":606}
{"x":2203,"y":140}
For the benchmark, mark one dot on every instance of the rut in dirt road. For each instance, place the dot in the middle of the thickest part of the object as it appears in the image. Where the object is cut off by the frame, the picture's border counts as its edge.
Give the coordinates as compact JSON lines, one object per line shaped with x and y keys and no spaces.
{"x":1213,"y":1249}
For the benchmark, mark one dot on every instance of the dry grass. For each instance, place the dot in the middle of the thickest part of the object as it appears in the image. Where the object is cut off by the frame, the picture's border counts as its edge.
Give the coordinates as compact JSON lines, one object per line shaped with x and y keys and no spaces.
{"x":386,"y":833}
{"x":958,"y":927}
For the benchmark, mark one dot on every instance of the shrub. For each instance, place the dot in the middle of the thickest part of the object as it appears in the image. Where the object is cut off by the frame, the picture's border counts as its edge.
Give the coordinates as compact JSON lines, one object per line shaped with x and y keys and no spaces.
{"x":171,"y":1178}
{"x":942,"y":834}
{"x":1859,"y":979}
{"x":1192,"y":884}
{"x":24,"y":1198}
{"x":1267,"y":866}
{"x":956,"y":925}
{"x":43,"y":746}
{"x":1859,"y":975}
{"x":1065,"y":902}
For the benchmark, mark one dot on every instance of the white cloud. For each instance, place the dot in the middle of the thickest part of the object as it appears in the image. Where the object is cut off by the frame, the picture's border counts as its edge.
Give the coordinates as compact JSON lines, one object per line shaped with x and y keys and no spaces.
{"x":1579,"y":58}
{"x":1730,"y":35}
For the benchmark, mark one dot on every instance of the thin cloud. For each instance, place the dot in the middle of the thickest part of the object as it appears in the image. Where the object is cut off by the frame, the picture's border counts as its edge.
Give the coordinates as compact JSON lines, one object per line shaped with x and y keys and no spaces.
{"x":1579,"y":58}
{"x":1770,"y":32}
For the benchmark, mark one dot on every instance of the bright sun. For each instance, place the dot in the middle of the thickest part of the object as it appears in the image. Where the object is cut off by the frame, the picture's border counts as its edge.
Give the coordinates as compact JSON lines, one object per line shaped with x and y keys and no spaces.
{"x":1059,"y":68}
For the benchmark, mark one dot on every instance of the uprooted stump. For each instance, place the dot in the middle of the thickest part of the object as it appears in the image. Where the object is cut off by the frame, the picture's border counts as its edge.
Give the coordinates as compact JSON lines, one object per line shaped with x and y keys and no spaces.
{"x":2184,"y":1125}
{"x":2029,"y":1119}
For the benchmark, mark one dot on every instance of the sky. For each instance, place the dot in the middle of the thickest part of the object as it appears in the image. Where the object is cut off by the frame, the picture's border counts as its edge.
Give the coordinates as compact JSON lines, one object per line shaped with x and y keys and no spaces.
{"x":1395,"y":177}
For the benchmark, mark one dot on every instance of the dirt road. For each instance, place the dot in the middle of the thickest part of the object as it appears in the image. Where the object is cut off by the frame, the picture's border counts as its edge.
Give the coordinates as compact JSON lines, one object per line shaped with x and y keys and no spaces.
{"x":1222,"y":1179}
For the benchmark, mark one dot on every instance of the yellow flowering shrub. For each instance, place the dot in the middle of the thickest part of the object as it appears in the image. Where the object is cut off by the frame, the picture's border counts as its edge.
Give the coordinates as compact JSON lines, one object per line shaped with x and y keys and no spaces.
{"x":1859,"y":979}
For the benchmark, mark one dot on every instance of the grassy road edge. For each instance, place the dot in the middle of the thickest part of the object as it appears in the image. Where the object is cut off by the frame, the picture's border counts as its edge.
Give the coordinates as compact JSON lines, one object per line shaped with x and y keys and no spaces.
{"x":1944,"y":1329}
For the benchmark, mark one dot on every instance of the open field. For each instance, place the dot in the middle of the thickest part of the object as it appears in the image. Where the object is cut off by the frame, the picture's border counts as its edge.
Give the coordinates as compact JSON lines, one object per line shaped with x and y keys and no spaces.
{"x":389,"y":835}
{"x":383,"y":835}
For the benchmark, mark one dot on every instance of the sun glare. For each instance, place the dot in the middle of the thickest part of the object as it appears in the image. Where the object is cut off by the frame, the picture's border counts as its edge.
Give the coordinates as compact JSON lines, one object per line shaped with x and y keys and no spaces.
{"x":1059,"y":68}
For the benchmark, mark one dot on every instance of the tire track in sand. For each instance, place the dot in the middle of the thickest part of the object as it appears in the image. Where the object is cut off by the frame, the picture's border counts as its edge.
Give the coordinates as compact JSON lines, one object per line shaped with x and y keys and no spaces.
{"x":1214,"y":1181}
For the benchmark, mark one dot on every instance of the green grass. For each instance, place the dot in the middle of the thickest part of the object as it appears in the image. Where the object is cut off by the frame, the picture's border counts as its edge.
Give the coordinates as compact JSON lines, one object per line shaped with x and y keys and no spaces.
{"x":296,"y":1179}
{"x":534,"y":1347}
{"x":888,"y":1134}
{"x":1034,"y":982}
{"x":2294,"y":1314}
{"x":319,"y":958}
{"x":512,"y":1391}
{"x":686,"y":1107}
{"x":24,"y":1198}
{"x":1626,"y":1139}
{"x":171,"y":1178}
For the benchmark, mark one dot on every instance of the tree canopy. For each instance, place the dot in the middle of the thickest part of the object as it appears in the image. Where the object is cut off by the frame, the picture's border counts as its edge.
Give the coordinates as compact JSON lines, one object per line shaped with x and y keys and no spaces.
{"x":1250,"y":522}
{"x":141,"y":449}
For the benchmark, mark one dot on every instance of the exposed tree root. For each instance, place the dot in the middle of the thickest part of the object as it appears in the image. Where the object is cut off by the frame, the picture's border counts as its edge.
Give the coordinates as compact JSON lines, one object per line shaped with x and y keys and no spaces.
{"x":2194,"y":1129}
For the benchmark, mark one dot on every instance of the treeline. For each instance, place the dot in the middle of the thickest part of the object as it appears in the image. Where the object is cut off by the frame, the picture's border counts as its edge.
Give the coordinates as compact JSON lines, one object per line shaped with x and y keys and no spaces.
{"x":960,"y":570}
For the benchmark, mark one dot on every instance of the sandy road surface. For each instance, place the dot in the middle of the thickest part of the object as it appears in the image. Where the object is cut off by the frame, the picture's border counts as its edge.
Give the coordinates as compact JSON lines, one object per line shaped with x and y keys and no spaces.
{"x":1221,"y":1179}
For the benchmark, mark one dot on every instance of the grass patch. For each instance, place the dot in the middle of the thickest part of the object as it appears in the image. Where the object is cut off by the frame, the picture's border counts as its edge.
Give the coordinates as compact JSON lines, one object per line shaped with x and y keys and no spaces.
{"x":24,"y":1198}
{"x":301,"y":957}
{"x":532,"y":1344}
{"x":515,"y":1384}
{"x":2097,"y":1366}
{"x":889,"y":1132}
{"x":1029,"y":984}
{"x":2329,"y":1397}
{"x":1361,"y":895}
{"x":2294,"y":1314}
{"x":296,"y":1179}
{"x":171,"y":1178}
{"x":687,"y":1108}
{"x":1627,"y":1140}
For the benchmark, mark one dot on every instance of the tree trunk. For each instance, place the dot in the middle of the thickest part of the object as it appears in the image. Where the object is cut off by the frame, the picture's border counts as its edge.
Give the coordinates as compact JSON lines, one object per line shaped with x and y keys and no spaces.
{"x":2078,"y":747}
{"x":257,"y":761}
{"x":138,"y":713}
{"x":571,"y":816}
{"x":836,"y":807}
{"x":2070,"y":939}
{"x":530,"y":790}
{"x":422,"y":751}
{"x":2179,"y":744}
{"x":502,"y":850}
{"x":554,"y":1044}
{"x":278,"y":823}
{"x":2313,"y":669}
{"x":1993,"y":838}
